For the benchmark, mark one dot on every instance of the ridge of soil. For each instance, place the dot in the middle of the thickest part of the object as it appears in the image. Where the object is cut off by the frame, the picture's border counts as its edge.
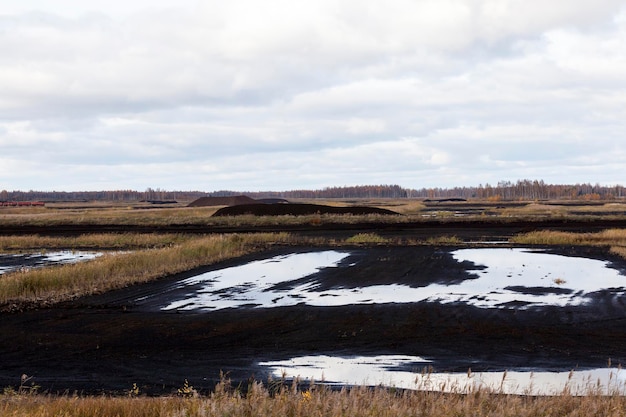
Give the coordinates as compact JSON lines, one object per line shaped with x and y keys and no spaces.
{"x":293,"y":209}
{"x":470,"y":229}
{"x":221,"y":201}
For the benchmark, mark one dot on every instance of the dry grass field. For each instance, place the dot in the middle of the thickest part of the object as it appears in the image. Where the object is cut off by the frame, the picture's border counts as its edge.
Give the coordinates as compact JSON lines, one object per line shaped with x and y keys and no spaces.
{"x":258,"y":400}
{"x":408,"y":210}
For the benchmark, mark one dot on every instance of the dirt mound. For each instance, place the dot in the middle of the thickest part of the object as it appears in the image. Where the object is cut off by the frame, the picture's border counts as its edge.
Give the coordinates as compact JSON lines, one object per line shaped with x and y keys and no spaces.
{"x":296,"y":210}
{"x":222,"y":201}
{"x":272,"y":200}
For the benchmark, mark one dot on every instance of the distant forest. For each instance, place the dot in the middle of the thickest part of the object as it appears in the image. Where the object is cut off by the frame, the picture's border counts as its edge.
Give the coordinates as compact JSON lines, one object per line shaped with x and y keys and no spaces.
{"x":504,"y":190}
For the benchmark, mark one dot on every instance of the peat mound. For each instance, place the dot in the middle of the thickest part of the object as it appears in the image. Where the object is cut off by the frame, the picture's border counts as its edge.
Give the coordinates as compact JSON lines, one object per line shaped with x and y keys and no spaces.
{"x":272,"y":200}
{"x":221,"y":201}
{"x":296,"y":210}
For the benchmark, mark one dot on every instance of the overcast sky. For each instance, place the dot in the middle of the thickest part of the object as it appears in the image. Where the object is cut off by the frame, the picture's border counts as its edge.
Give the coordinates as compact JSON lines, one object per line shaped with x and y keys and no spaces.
{"x":254,"y":95}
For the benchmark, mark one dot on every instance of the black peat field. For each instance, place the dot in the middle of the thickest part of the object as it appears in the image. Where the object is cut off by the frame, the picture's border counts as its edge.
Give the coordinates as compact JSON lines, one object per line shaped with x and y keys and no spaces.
{"x":313,"y":307}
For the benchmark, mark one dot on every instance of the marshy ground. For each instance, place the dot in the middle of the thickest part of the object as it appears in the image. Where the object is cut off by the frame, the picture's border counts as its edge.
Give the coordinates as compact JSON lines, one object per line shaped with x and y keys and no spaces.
{"x":108,"y":342}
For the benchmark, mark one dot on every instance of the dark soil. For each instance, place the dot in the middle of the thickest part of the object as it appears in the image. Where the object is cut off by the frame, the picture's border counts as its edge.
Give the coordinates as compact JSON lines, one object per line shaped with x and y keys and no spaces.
{"x":296,"y":210}
{"x":221,"y":201}
{"x":108,"y":342}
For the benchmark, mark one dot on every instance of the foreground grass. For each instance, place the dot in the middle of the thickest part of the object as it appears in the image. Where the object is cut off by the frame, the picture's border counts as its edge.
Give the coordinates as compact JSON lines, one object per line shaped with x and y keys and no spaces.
{"x":359,"y":401}
{"x":615,"y":239}
{"x":111,"y":271}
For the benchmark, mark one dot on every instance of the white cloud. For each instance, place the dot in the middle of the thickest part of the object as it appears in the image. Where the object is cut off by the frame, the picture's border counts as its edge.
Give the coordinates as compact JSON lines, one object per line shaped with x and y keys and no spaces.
{"x":286,"y":94}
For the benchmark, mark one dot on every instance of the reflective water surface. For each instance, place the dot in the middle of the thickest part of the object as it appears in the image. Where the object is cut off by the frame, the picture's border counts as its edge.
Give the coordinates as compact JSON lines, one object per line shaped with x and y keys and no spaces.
{"x":501,"y":278}
{"x":411,"y":372}
{"x":529,"y":277}
{"x":252,"y":283}
{"x":496,"y":278}
{"x":14,"y":262}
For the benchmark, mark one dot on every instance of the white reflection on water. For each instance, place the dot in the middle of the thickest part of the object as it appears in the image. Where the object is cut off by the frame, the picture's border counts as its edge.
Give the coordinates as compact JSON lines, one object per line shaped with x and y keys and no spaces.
{"x":514,"y":278}
{"x":378,"y":370}
{"x":251,"y":283}
{"x":512,"y":274}
{"x":14,"y":262}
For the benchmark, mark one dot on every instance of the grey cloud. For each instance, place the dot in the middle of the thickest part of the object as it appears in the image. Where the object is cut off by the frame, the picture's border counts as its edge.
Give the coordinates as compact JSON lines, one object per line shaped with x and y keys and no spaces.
{"x":284,"y":95}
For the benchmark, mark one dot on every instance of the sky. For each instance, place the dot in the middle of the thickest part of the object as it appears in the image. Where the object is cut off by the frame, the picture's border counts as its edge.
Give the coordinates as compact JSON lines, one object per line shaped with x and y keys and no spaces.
{"x":251,"y":95}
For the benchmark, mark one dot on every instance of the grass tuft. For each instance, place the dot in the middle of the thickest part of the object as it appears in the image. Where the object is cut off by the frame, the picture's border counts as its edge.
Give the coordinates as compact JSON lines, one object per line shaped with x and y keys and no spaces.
{"x":366,"y":238}
{"x":444,"y":241}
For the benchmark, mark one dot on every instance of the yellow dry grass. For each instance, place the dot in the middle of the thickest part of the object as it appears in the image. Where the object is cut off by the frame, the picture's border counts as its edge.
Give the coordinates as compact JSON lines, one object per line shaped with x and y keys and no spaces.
{"x":609,"y":237}
{"x":123,"y":241}
{"x":319,"y":401}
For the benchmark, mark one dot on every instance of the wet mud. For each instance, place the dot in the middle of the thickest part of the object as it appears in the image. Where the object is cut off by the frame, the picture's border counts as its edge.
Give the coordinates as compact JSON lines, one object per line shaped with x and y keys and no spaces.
{"x":107,"y":343}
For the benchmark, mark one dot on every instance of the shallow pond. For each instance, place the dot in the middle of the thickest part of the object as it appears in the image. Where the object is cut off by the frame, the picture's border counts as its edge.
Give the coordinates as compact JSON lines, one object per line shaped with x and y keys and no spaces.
{"x":525,"y":277}
{"x":15,"y":262}
{"x":495,"y":278}
{"x":411,"y":372}
{"x":252,"y":284}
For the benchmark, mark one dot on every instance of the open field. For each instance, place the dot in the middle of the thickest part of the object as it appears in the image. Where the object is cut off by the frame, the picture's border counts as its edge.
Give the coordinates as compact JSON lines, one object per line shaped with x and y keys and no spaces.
{"x":409,"y":212}
{"x":97,"y":327}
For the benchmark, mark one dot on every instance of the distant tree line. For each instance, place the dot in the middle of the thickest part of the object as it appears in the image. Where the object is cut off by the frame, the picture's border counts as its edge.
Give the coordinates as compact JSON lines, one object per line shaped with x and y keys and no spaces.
{"x":112,"y":195}
{"x":503,"y":190}
{"x":358,"y":191}
{"x":526,"y":190}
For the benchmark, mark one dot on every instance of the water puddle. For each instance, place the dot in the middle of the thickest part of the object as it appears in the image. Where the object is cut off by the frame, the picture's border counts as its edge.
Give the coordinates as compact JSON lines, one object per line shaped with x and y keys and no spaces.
{"x":411,"y":372}
{"x":496,"y":278}
{"x":252,"y":284}
{"x":523,"y":277}
{"x":23,"y":262}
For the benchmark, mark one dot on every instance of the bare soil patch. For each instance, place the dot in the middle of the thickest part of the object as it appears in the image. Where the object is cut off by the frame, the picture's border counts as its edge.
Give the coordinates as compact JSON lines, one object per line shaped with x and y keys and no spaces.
{"x":297,"y":210}
{"x":221,"y":201}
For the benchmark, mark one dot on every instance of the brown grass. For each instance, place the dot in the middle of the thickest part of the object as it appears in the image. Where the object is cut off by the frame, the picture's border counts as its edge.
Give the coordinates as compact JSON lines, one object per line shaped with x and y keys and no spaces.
{"x":367,"y":238}
{"x":610,"y":237}
{"x":615,"y":239}
{"x":123,"y":215}
{"x":318,"y":401}
{"x":125,"y":241}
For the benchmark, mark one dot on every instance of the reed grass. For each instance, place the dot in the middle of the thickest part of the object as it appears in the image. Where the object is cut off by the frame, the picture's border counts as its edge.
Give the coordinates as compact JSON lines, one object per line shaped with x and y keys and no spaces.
{"x":614,"y":239}
{"x":109,"y":215}
{"x":366,"y":238}
{"x":444,"y":241}
{"x":111,"y":271}
{"x":549,"y":237}
{"x":619,"y":250}
{"x":316,"y":401}
{"x":124,"y":241}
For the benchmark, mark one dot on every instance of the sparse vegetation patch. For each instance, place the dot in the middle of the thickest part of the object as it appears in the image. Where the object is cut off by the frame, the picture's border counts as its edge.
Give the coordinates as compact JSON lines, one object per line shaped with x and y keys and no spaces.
{"x":367,"y":238}
{"x":615,"y":239}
